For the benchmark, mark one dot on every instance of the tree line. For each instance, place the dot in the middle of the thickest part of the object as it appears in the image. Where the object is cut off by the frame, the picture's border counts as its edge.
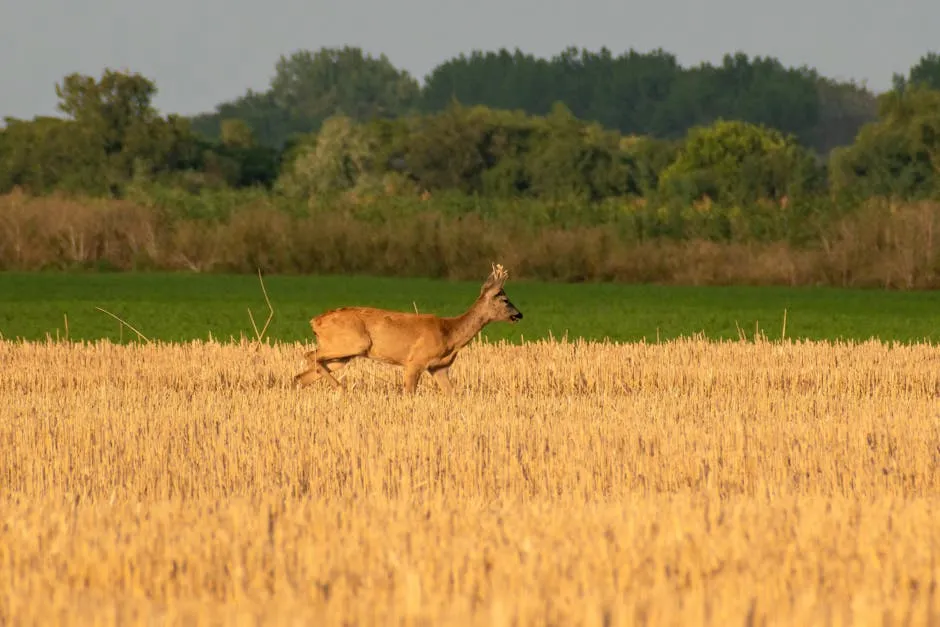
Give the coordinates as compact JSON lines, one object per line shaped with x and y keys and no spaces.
{"x":634,"y":93}
{"x":490,"y":125}
{"x":437,"y":191}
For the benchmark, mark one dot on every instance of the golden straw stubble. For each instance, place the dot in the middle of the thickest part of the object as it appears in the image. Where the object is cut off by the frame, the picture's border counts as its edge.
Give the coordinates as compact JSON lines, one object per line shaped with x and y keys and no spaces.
{"x":689,"y":482}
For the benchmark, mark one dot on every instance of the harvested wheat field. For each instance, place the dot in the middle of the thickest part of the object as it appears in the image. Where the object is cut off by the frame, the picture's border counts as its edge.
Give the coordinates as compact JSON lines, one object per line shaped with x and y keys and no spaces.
{"x":683,"y":483}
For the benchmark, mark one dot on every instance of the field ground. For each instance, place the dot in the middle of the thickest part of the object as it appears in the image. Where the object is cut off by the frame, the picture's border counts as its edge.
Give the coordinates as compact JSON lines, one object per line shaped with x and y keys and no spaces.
{"x":177,"y":307}
{"x":681,"y":483}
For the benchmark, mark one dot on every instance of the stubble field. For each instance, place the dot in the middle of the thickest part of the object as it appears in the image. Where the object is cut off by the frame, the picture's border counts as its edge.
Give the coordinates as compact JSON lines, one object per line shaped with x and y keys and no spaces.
{"x":682,"y":483}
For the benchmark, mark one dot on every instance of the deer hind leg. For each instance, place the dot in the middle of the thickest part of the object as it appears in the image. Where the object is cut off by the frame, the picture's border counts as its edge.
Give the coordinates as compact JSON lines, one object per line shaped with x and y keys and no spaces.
{"x":323,"y":366}
{"x":338,"y":341}
{"x":312,"y":374}
{"x":327,"y":356}
{"x":327,"y":359}
{"x":442,"y":380}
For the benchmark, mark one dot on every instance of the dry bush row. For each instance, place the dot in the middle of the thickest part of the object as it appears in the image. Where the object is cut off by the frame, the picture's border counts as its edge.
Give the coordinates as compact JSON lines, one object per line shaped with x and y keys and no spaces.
{"x":880,"y":245}
{"x":689,"y":482}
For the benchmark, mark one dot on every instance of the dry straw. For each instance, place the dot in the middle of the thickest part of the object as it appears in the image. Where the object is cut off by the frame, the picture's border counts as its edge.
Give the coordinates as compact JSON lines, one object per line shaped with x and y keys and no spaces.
{"x":679,"y":483}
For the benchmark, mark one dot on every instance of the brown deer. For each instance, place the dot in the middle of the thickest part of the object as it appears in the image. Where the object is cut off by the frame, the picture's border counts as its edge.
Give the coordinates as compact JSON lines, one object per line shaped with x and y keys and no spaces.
{"x":418,"y":342}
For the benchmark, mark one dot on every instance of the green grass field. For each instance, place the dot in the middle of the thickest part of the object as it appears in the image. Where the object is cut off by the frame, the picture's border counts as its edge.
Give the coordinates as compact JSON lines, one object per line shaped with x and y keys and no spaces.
{"x":178,"y":307}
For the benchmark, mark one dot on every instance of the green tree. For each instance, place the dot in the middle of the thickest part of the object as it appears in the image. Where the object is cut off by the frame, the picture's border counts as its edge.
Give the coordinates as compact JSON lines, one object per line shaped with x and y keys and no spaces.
{"x":646,"y":158}
{"x":235,"y":133}
{"x":45,"y":154}
{"x":844,"y":108}
{"x":569,"y":158}
{"x":734,"y":162}
{"x":269,"y":123}
{"x":333,"y":160}
{"x":925,"y":73}
{"x":501,"y":80}
{"x":312,"y":86}
{"x":308,"y":87}
{"x":636,"y":93}
{"x":899,"y":155}
{"x":447,"y":150}
{"x":119,"y":129}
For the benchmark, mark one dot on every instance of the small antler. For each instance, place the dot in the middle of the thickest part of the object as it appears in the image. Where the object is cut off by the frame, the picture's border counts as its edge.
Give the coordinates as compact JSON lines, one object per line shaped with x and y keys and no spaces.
{"x":496,"y":279}
{"x":499,"y":273}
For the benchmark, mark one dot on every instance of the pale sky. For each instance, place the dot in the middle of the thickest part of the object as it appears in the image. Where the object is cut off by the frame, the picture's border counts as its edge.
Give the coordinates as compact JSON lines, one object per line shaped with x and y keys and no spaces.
{"x":202,"y":52}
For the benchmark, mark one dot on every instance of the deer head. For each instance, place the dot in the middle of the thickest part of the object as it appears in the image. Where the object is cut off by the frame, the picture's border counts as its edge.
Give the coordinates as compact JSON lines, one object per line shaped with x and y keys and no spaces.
{"x":493,"y":302}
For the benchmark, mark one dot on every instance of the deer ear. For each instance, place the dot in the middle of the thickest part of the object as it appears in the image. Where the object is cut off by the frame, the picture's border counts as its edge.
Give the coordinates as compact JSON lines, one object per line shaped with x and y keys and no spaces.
{"x":489,"y":284}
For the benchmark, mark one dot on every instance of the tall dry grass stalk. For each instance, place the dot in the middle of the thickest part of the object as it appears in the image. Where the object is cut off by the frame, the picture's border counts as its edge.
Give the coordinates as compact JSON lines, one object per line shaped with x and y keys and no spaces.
{"x":682,"y":483}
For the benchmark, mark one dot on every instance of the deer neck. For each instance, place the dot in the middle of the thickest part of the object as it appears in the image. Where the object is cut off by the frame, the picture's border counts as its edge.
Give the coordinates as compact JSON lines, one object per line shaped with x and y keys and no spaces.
{"x":465,"y":327}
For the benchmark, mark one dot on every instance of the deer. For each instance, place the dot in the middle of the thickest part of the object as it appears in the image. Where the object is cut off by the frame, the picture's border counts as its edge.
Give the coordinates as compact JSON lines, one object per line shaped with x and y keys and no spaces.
{"x":416,"y":342}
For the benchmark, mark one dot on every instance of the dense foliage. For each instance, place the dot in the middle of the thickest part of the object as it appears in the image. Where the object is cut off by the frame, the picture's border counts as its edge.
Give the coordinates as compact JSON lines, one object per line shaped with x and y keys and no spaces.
{"x":633,"y":93}
{"x":635,"y":145}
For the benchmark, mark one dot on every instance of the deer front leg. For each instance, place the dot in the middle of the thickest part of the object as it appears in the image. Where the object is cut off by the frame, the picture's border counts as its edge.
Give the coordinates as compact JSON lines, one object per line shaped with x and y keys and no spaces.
{"x":412,"y":374}
{"x":442,"y":380}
